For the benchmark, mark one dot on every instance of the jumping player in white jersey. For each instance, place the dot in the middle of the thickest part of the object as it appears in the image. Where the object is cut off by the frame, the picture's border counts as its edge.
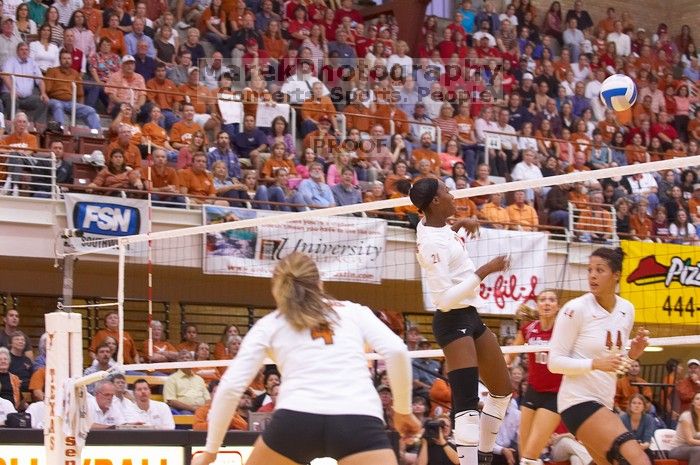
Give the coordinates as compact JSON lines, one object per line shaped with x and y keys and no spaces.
{"x":538,"y":410}
{"x":327,"y":405}
{"x":471,"y":349}
{"x":588,"y":347}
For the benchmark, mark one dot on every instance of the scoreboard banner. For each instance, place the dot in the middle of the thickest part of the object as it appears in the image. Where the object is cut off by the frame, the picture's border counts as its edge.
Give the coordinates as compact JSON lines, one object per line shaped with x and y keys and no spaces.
{"x":662,"y":281}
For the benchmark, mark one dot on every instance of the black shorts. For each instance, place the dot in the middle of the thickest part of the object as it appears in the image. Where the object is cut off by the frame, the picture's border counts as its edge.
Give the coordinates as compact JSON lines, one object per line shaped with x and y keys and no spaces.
{"x":457,"y":323}
{"x":534,"y":400}
{"x":574,"y":416}
{"x":302,"y":437}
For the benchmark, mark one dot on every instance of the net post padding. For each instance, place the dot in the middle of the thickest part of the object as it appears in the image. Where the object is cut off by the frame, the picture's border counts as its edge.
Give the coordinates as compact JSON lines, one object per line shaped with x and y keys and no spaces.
{"x":430,"y":353}
{"x":569,"y":178}
{"x":64,"y":359}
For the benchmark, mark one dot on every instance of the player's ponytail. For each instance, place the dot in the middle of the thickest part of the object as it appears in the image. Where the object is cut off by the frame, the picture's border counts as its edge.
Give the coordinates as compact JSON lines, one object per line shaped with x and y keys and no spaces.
{"x":296,"y":287}
{"x":613,"y":257}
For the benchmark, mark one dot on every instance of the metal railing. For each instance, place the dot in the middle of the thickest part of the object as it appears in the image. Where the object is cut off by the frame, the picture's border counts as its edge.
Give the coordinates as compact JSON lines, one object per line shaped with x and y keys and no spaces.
{"x":586,"y":227}
{"x":23,"y":175}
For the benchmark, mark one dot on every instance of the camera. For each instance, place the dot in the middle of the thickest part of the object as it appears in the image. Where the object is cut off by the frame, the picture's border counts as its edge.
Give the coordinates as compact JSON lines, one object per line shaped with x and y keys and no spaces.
{"x":432,"y":429}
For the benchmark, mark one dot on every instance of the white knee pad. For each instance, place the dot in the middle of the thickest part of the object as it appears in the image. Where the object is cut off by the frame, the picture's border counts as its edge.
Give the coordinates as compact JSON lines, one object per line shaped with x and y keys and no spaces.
{"x":531,"y":462}
{"x":496,"y":406}
{"x":467,"y":428}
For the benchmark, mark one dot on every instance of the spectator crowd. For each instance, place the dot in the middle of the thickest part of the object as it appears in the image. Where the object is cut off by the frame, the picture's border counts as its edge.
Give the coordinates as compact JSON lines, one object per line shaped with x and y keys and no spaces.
{"x":491,"y":94}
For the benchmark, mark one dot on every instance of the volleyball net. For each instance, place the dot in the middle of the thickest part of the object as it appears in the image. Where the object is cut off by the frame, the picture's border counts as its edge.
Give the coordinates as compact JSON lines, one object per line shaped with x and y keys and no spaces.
{"x":366,"y":253}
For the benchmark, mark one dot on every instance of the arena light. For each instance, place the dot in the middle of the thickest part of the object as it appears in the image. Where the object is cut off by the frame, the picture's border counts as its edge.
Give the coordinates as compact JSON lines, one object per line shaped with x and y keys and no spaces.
{"x":653,"y":349}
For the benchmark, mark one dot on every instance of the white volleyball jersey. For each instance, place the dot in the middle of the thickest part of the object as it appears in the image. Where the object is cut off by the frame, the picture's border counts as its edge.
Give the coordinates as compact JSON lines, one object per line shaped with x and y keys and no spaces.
{"x":323,"y":372}
{"x":442,"y":254}
{"x":582,"y":332}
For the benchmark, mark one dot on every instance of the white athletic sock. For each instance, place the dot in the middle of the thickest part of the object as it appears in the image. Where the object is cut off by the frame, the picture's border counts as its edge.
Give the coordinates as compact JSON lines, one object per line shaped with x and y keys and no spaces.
{"x":491,"y":418}
{"x":467,"y":455}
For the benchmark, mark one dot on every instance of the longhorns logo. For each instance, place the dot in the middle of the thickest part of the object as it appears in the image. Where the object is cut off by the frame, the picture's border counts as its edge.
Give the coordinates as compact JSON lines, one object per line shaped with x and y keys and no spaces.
{"x":650,"y":271}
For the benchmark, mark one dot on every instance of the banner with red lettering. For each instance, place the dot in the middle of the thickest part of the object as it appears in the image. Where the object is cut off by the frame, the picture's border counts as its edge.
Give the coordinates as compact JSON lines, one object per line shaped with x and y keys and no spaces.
{"x":503,"y":293}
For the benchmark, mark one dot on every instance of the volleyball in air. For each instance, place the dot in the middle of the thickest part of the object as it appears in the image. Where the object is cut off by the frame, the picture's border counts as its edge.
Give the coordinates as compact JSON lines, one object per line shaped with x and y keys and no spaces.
{"x":618,"y":92}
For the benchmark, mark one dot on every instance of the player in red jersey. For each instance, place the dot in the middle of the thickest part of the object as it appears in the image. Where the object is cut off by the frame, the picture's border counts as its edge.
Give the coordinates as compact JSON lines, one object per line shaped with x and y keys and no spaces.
{"x":538,"y":410}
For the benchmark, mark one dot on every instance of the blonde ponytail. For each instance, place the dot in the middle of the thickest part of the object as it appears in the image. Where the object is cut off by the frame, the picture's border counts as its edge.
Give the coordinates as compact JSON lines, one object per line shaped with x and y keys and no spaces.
{"x":296,"y":287}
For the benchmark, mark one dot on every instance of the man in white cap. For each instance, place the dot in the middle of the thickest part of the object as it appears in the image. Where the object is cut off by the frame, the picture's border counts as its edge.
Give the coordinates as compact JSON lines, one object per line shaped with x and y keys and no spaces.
{"x":126,"y":86}
{"x":690,"y":385}
{"x":8,"y":39}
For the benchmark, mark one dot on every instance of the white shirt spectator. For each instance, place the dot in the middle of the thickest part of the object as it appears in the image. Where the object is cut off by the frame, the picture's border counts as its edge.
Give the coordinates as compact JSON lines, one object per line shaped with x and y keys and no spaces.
{"x":658,"y":102}
{"x":37,"y":411}
{"x":580,"y":73}
{"x":406,"y":62}
{"x":9,"y":7}
{"x":479,"y":34}
{"x":481,"y":127}
{"x":299,"y":88}
{"x":508,"y":142}
{"x":522,"y":171}
{"x":527,"y":143}
{"x":66,"y":9}
{"x":123,"y":404}
{"x":623,"y":44}
{"x":643,"y":185}
{"x":112,"y":417}
{"x":5,"y":408}
{"x":45,"y":58}
{"x":158,"y":415}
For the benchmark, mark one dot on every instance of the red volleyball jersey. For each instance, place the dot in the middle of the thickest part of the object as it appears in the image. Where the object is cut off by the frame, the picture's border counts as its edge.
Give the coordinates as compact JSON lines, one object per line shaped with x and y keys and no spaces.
{"x":539,"y":376}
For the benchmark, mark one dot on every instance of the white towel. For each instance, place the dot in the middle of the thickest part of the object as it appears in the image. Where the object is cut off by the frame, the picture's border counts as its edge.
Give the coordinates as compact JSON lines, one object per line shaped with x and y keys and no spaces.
{"x":76,"y":421}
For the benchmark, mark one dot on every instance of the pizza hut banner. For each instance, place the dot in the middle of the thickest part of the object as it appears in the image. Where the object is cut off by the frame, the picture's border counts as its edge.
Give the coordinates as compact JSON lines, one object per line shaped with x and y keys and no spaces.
{"x":345,"y":248}
{"x":505,"y":292}
{"x":662,"y":281}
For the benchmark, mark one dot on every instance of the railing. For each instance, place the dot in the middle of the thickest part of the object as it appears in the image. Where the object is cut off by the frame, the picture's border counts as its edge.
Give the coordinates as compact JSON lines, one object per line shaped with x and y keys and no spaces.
{"x":597,"y":223}
{"x":23,"y":175}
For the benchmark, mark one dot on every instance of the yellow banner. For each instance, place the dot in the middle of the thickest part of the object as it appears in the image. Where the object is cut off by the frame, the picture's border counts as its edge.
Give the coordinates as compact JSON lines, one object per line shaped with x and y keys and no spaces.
{"x":662,"y":281}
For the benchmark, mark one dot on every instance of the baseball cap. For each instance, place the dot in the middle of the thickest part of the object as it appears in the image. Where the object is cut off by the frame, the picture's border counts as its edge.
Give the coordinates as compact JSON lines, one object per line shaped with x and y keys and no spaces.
{"x":528,"y":76}
{"x":690,"y":362}
{"x":250,"y":42}
{"x":127,"y":58}
{"x":696,"y":186}
{"x":383,"y":387}
{"x":8,"y":18}
{"x":192,"y":69}
{"x":324,"y":118}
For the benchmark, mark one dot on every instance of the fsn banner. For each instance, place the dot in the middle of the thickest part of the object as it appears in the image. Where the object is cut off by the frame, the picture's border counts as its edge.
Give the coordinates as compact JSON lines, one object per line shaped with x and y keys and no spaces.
{"x":101,"y":220}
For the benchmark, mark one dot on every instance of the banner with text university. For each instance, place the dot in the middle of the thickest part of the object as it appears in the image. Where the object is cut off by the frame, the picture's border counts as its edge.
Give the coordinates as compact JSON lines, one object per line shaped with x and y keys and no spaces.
{"x":345,"y":248}
{"x":662,"y":281}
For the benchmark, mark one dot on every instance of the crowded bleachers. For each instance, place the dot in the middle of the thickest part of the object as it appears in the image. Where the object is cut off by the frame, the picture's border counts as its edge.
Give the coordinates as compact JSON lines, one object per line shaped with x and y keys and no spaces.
{"x":93,"y":96}
{"x":484,"y":87}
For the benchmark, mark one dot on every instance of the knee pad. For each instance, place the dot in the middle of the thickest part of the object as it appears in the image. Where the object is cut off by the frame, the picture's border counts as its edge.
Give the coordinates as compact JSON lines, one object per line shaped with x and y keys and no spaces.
{"x":467,"y":428}
{"x":614,"y":456}
{"x":525,"y":461}
{"x":496,"y":406}
{"x":465,"y":389}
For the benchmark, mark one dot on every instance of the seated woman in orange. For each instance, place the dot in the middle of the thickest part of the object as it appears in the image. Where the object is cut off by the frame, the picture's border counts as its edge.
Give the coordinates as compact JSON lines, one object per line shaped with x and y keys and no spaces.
{"x":116,"y":175}
{"x":111,"y":329}
{"x":220,"y":350}
{"x":208,"y":374}
{"x":163,"y":351}
{"x":114,"y":34}
{"x":238,"y":421}
{"x":279,"y":158}
{"x":188,"y":340}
